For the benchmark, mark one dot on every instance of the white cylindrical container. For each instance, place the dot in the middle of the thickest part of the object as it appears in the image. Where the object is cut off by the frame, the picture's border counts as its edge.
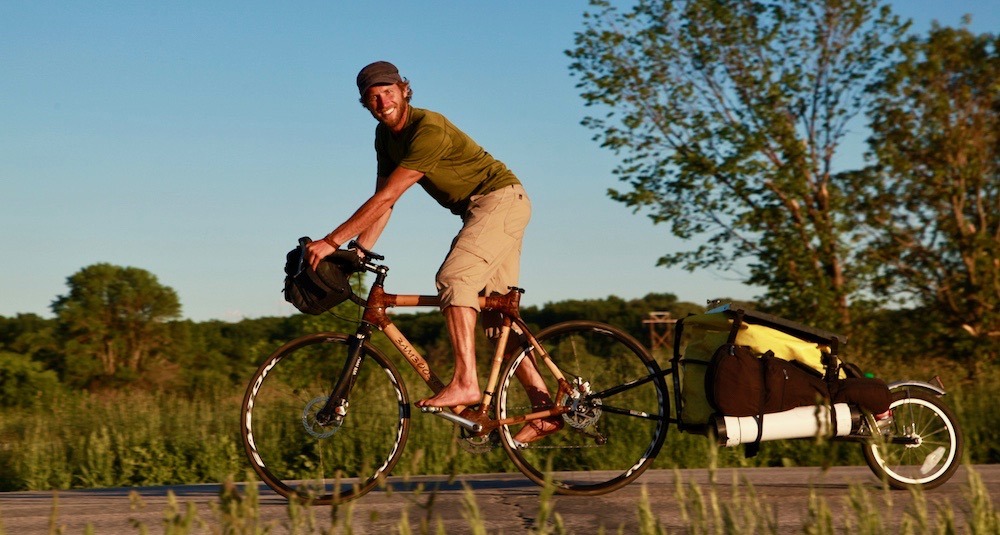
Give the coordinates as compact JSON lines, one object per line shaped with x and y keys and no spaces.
{"x":800,"y":422}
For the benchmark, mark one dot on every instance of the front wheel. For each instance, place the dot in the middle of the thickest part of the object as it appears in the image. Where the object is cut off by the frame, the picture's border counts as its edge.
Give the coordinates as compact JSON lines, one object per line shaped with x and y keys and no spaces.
{"x":618,"y":409}
{"x":919,"y":445}
{"x":300,"y":458}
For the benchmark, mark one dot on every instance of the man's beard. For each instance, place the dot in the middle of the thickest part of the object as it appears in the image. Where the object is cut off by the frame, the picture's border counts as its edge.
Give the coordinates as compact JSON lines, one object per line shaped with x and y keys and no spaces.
{"x":396,"y":119}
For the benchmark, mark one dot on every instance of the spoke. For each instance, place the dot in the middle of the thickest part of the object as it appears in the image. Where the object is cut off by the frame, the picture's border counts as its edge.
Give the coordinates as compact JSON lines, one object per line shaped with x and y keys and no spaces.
{"x":940,"y":429}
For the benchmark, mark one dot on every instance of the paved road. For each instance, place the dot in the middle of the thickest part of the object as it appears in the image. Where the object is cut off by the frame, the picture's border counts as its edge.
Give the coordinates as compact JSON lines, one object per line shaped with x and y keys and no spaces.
{"x":507,"y":503}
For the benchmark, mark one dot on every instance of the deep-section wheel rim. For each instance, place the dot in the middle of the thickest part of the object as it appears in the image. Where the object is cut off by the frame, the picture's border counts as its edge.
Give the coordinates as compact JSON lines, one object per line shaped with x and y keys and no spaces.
{"x":619,"y":420}
{"x":299,"y":458}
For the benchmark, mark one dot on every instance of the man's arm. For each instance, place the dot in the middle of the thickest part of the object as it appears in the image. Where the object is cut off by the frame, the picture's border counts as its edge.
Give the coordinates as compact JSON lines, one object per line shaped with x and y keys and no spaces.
{"x":370,"y":219}
{"x":370,"y":235}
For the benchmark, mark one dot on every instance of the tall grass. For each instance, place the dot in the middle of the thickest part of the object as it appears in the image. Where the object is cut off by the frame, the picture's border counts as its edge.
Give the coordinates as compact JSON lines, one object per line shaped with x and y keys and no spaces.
{"x":121,"y":439}
{"x":704,"y":510}
{"x":141,"y":438}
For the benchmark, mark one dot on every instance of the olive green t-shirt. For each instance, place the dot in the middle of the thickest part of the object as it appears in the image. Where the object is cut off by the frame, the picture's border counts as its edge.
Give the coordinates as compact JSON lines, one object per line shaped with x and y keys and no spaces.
{"x":455,"y":167}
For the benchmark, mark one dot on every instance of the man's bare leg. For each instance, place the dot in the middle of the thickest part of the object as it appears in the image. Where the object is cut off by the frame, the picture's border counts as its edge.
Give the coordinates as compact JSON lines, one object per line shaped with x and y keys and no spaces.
{"x":464,"y":386}
{"x":538,"y":393}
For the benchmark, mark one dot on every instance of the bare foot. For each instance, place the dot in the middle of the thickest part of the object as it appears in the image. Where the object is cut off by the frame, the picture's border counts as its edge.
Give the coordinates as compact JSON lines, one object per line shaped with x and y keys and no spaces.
{"x":538,"y":429}
{"x":452,"y":397}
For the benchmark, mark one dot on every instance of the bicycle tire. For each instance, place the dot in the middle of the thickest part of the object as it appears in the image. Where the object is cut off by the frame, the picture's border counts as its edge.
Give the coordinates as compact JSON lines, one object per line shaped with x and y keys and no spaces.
{"x":605,"y":443}
{"x":300,"y":459}
{"x":920,"y":447}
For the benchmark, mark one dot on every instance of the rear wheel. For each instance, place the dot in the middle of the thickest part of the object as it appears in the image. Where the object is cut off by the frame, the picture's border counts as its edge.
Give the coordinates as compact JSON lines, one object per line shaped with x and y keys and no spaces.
{"x":300,"y":458}
{"x":920,"y":445}
{"x":618,"y":410}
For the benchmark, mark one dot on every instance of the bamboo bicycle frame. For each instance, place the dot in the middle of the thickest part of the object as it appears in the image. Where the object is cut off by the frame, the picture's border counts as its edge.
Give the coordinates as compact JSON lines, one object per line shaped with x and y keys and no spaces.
{"x":376,"y":315}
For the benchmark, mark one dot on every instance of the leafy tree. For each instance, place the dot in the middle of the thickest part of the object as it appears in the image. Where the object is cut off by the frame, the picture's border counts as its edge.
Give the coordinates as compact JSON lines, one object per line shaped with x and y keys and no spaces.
{"x":933,"y":198}
{"x":729,"y":115}
{"x":34,"y":336}
{"x":16,"y":333}
{"x":117,"y":315}
{"x":23,"y":381}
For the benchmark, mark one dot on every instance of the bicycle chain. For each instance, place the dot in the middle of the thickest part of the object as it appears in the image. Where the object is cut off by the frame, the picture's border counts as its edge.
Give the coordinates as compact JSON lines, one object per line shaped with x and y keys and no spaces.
{"x":599,"y":439}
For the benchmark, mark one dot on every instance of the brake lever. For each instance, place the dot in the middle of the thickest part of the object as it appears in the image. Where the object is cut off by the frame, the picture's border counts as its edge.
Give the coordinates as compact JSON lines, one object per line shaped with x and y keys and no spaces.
{"x":368,"y":254}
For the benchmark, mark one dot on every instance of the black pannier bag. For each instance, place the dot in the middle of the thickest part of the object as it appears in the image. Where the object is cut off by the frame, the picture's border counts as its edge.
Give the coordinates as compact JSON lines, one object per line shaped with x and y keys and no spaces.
{"x":734,"y":383}
{"x":764,"y":364}
{"x":315,"y":292}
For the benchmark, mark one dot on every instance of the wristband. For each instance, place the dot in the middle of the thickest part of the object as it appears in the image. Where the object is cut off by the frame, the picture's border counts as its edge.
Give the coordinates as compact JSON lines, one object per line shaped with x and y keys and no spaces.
{"x":330,"y":242}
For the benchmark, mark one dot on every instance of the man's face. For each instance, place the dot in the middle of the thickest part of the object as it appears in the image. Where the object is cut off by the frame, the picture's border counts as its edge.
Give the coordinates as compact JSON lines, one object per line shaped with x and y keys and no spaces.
{"x":388,"y":105}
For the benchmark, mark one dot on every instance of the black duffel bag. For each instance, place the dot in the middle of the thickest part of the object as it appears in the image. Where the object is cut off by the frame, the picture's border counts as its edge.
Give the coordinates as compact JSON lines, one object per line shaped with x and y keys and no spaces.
{"x":740,"y":384}
{"x":315,"y":292}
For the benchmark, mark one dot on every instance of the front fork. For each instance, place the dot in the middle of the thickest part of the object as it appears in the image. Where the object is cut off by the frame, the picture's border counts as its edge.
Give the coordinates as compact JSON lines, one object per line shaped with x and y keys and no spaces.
{"x":335,"y":409}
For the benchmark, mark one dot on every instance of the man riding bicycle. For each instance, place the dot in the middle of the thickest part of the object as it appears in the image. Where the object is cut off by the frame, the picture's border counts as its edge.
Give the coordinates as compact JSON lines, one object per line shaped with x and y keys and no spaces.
{"x":418,"y":146}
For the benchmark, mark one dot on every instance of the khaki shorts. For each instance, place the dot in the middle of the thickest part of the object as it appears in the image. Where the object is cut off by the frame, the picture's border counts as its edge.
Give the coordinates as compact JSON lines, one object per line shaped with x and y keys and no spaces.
{"x":485,"y":257}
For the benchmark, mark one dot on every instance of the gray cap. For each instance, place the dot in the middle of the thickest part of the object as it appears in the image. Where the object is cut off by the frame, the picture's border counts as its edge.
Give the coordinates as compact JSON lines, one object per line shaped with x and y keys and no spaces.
{"x":378,"y":73}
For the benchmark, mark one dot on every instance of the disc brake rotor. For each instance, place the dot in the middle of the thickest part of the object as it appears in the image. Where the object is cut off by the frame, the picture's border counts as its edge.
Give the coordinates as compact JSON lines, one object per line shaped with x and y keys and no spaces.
{"x":585,"y":410}
{"x":309,"y":419}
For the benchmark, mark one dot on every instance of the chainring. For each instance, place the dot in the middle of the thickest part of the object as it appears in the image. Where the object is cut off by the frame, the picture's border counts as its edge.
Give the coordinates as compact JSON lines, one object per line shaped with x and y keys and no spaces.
{"x":478,"y":444}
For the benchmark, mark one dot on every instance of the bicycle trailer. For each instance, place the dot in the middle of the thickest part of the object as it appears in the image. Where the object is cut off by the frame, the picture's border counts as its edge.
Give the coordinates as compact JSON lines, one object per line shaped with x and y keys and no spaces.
{"x":748,"y":376}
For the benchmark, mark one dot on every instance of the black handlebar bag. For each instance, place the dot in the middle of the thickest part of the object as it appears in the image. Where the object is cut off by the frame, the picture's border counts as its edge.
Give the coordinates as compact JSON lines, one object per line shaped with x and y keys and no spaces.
{"x":315,"y":292}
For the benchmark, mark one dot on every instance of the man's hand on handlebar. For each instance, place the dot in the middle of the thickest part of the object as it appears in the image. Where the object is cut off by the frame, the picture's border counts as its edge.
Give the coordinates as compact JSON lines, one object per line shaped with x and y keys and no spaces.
{"x":316,"y":251}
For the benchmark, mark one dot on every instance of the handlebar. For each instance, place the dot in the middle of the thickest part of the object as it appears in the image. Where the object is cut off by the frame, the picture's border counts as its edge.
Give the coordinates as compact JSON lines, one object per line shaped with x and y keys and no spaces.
{"x":357,"y":262}
{"x":364,"y":260}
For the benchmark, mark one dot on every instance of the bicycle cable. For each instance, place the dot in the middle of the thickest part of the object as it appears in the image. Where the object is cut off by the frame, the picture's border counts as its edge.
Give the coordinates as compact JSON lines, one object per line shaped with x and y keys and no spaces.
{"x":360,"y":309}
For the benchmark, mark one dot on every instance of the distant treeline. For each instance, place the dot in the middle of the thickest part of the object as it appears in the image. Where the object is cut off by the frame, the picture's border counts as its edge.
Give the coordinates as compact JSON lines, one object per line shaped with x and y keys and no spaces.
{"x":40,"y":354}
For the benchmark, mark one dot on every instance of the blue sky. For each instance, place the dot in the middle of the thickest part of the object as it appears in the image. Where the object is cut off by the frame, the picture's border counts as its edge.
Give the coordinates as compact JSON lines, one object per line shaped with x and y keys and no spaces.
{"x":198,"y":140}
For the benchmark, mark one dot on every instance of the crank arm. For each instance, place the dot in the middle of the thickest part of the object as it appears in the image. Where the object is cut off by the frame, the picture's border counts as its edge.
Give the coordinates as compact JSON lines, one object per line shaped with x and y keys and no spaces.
{"x":454,"y":418}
